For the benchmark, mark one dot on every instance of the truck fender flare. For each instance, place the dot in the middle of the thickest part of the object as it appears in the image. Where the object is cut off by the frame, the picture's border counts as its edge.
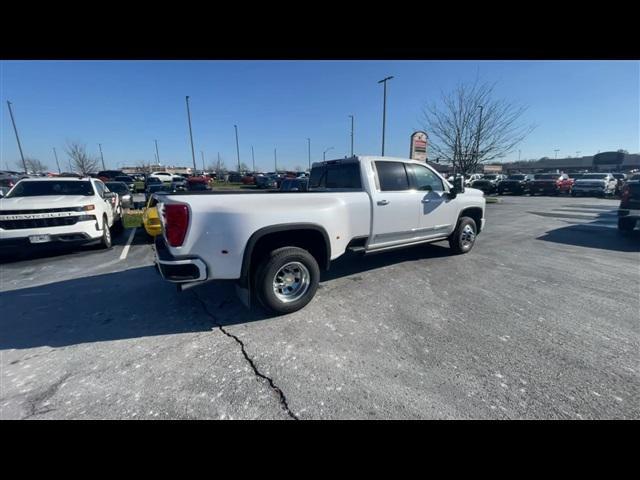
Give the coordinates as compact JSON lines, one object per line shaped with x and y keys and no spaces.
{"x":258,"y":234}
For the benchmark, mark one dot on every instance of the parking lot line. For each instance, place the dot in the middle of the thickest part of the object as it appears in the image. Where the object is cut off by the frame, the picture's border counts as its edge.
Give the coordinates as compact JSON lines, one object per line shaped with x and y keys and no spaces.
{"x":125,"y":250}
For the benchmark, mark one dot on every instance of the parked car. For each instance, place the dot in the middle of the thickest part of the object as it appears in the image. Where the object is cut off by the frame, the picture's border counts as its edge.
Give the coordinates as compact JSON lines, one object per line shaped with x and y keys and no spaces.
{"x":517,"y":184}
{"x":472,"y":178}
{"x":621,"y":178}
{"x":275,"y":244}
{"x":487,"y":186}
{"x":629,"y":210}
{"x":599,"y":184}
{"x":164,"y":177}
{"x":126,"y":179}
{"x":123,"y":191}
{"x":151,"y":217}
{"x":267,"y":181}
{"x":58,"y":210}
{"x":249,"y":179}
{"x":294,"y":185}
{"x":179,"y":183}
{"x":108,"y":175}
{"x":198,"y":183}
{"x":152,"y":181}
{"x":550,"y":184}
{"x":155,"y":188}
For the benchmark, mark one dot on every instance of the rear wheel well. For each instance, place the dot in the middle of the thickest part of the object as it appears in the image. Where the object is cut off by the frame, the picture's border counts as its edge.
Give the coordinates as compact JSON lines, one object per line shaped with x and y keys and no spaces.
{"x":475,"y":213}
{"x":312,"y":240}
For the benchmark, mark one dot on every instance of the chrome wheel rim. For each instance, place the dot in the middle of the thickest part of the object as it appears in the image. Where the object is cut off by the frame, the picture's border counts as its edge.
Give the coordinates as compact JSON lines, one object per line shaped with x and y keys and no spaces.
{"x":467,"y":236}
{"x":291,"y":282}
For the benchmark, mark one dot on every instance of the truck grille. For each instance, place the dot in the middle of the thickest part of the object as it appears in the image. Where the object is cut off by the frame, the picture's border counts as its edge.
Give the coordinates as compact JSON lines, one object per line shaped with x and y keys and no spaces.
{"x":43,"y":222}
{"x":41,"y":210}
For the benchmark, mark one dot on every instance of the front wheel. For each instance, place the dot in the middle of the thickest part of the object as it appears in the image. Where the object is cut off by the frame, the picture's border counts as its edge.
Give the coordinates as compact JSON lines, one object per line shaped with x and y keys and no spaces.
{"x":287,"y":279}
{"x":105,"y":242}
{"x":464,"y":236}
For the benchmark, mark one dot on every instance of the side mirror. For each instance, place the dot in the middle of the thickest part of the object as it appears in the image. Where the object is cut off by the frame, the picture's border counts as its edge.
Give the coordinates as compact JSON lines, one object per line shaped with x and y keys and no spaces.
{"x":458,"y":187}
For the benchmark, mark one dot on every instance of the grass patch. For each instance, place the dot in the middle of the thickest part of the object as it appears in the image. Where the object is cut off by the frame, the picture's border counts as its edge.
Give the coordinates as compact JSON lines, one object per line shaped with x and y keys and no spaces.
{"x":132,"y":219}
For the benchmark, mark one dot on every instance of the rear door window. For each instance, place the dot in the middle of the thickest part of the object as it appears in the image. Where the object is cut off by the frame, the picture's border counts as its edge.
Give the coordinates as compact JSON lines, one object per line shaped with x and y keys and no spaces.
{"x":392,"y":176}
{"x":336,"y":176}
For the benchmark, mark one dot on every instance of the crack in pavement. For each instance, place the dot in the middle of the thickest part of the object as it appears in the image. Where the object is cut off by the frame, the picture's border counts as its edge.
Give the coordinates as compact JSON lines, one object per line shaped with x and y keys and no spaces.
{"x":274,"y":387}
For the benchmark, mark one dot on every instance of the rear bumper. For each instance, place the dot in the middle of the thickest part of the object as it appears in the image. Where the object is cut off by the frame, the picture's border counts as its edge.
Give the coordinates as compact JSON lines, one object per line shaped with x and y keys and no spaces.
{"x":185,"y":269}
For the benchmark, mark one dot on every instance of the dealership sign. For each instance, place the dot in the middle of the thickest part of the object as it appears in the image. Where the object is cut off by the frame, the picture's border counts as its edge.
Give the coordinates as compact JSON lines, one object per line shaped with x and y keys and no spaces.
{"x":418,"y":149}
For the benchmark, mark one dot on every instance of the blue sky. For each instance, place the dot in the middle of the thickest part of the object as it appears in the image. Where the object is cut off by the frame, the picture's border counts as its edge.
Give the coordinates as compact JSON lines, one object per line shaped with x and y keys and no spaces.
{"x":583,"y":106}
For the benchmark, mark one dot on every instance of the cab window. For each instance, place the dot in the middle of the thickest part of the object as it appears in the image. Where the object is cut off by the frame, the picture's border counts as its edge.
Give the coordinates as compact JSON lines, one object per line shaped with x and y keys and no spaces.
{"x":425,"y":179}
{"x":392,"y":176}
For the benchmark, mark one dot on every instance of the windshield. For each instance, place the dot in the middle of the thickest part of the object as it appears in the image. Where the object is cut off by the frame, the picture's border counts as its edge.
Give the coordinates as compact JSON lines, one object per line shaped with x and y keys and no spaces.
{"x":516,"y":177}
{"x":58,"y":187}
{"x":117,"y":187}
{"x":595,"y":176}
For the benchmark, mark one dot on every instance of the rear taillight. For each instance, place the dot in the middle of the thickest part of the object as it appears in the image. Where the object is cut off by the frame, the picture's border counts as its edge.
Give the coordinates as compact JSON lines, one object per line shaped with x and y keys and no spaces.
{"x":176,"y":223}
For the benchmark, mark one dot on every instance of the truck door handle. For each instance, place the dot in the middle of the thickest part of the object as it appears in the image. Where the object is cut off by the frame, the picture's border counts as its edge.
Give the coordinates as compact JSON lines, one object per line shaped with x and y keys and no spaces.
{"x":425,"y":200}
{"x":383,"y":202}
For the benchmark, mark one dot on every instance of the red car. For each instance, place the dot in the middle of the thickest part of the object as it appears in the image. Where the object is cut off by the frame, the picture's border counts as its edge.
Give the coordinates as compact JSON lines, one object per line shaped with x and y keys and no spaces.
{"x":550,"y":183}
{"x":249,"y":179}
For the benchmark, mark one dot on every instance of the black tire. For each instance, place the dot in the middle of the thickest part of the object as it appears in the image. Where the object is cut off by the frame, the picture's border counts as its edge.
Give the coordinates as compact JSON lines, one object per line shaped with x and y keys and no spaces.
{"x":266,"y":274}
{"x":457,"y":241}
{"x":118,"y":227}
{"x":626,"y":225}
{"x":105,"y":242}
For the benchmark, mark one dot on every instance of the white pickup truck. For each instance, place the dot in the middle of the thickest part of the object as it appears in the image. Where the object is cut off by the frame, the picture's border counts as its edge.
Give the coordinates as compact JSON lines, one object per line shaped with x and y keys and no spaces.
{"x":58,"y":210}
{"x":275,"y":243}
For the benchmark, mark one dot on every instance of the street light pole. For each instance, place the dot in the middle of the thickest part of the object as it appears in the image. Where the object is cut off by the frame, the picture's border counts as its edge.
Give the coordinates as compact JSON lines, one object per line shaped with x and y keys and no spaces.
{"x":275,"y":160}
{"x":384,"y":109}
{"x":24,"y":164}
{"x":309,"y":145}
{"x":324,"y":153}
{"x":56,"y":155}
{"x":519,"y":151}
{"x":202,"y":155}
{"x":193,"y":153}
{"x":351,"y":135}
{"x":253,"y":158}
{"x":237,"y":147}
{"x":556,"y":150}
{"x":102,"y":156}
{"x":157,"y":153}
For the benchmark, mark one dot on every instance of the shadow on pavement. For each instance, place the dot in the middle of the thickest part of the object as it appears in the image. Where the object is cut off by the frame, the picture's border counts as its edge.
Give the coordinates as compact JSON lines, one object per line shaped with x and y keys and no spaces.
{"x":137,"y":303}
{"x":595,"y":236}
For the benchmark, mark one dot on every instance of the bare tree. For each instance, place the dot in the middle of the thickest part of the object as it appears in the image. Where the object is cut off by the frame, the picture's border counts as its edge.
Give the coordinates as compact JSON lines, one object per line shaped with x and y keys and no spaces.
{"x":33,"y":165}
{"x":297,"y":168}
{"x":80,"y":159}
{"x":244,"y":167}
{"x":465,"y":135}
{"x":144,"y":166}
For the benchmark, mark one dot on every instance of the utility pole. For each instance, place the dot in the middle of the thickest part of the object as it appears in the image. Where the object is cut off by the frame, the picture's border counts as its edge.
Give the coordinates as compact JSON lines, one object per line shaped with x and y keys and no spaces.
{"x":351,"y":135}
{"x":193,"y":153}
{"x":519,"y":151}
{"x":324,"y":154}
{"x":478,"y":135}
{"x":309,"y":144}
{"x":237,"y":147}
{"x":157,"y":153}
{"x":102,"y":156}
{"x":24,"y":164}
{"x":202,"y":155}
{"x":384,"y":109}
{"x":556,"y":150}
{"x":56,"y":155}
{"x":275,"y":159}
{"x":253,"y":158}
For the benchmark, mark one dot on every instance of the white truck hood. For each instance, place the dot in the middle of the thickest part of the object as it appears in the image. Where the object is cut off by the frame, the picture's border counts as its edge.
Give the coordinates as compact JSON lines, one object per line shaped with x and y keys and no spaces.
{"x":473,"y":192}
{"x":45,"y":201}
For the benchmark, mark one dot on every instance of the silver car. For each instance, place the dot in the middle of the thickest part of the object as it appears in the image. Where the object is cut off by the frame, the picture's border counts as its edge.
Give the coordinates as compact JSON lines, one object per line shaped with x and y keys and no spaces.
{"x":122,"y":189}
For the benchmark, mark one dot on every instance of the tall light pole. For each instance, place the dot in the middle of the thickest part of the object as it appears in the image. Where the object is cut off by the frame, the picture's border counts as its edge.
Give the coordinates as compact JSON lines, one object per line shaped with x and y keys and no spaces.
{"x":324,"y":157}
{"x":55,"y":154}
{"x":193,"y":152}
{"x":202,"y":155}
{"x":275,"y":160}
{"x":24,"y":164}
{"x":352,"y":135}
{"x":309,"y":150}
{"x":157,"y":153}
{"x":253,"y":159}
{"x":384,"y":109}
{"x":237,"y":147}
{"x":556,"y":150}
{"x":102,"y":156}
{"x":478,"y":135}
{"x":519,"y":152}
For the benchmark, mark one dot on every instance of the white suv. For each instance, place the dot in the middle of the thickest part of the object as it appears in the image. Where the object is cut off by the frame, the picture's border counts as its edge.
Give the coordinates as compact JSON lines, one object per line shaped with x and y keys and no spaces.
{"x":69,"y":210}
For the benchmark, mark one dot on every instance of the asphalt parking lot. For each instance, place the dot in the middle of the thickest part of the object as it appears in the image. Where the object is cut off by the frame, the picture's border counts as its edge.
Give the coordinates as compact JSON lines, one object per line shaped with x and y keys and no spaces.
{"x":539,"y":321}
